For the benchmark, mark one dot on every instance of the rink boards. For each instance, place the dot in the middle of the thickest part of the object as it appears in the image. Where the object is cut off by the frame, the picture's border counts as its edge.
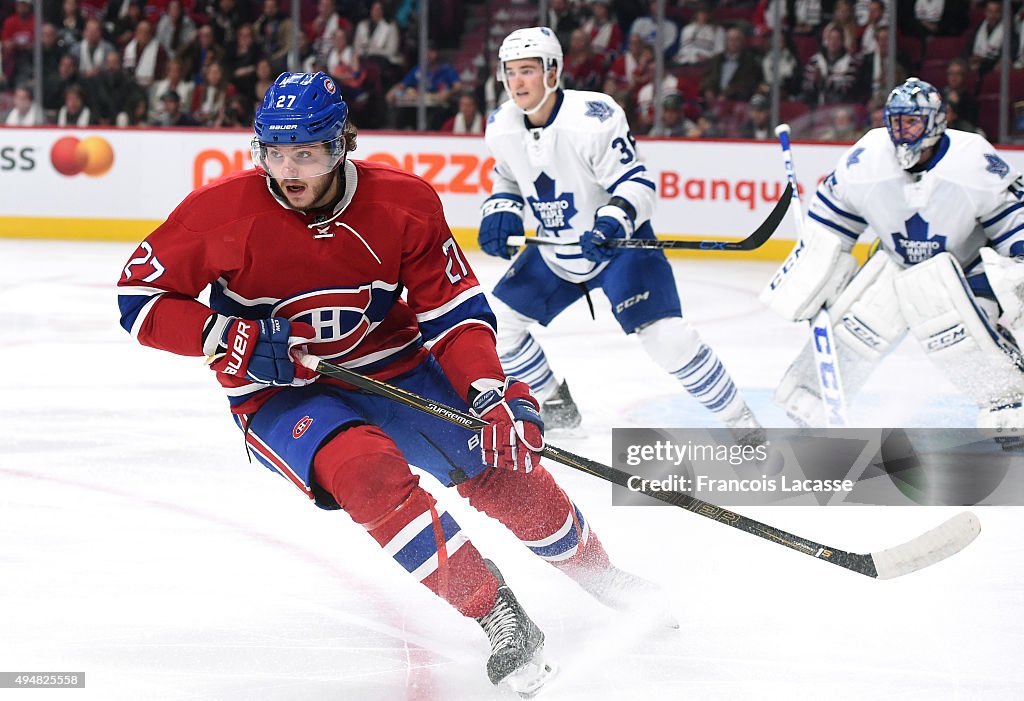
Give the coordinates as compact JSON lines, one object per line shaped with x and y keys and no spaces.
{"x":110,"y":184}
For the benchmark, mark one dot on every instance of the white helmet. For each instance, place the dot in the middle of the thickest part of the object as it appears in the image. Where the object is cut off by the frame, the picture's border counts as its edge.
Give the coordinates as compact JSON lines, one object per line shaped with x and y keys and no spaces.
{"x":532,"y":42}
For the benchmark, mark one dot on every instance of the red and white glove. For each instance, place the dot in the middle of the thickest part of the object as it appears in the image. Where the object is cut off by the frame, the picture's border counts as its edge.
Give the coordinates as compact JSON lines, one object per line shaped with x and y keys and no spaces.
{"x":261,"y":350}
{"x":514,"y":436}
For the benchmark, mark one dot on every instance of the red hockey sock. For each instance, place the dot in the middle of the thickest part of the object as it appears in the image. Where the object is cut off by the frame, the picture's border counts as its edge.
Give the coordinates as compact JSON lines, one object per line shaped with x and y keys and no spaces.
{"x":368,"y":476}
{"x":539,"y":513}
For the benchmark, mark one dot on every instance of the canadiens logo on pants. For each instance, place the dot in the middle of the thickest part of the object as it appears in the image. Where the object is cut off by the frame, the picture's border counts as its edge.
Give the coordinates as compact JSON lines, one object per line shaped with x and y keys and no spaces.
{"x":304,"y":423}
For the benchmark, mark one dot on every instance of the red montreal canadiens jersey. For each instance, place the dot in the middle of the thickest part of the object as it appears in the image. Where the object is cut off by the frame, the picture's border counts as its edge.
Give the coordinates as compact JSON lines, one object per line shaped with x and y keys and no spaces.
{"x":380,"y":279}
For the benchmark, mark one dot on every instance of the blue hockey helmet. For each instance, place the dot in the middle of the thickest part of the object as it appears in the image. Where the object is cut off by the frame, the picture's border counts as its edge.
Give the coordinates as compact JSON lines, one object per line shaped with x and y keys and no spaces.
{"x":301,"y":109}
{"x":915,"y":117}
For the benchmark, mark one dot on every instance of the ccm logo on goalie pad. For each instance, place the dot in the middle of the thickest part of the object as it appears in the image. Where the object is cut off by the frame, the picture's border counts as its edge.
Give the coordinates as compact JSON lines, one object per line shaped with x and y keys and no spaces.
{"x":946,"y":338}
{"x":859,"y":330}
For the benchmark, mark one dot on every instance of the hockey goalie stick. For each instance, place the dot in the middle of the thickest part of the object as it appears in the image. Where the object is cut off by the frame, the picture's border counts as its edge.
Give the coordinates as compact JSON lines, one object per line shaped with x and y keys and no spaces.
{"x":928,"y":548}
{"x":755,"y":240}
{"x":823,"y":341}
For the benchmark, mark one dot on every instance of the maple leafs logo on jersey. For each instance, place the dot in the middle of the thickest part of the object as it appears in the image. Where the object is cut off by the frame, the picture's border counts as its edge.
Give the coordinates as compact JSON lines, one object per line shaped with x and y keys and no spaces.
{"x":553,"y":211}
{"x":854,"y":158}
{"x":917,"y":246}
{"x":996,"y":165}
{"x":598,"y":109}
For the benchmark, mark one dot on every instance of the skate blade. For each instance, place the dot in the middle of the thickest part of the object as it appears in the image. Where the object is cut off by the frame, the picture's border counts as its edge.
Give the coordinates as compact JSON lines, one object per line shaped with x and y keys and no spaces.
{"x":528,"y":680}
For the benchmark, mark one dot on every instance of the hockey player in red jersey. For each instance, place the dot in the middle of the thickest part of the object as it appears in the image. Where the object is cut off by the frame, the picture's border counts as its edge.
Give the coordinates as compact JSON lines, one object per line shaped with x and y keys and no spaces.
{"x":311,"y":251}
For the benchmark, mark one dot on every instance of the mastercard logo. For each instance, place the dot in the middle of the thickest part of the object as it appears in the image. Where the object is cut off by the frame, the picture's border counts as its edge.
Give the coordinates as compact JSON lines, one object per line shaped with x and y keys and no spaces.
{"x":92,"y":155}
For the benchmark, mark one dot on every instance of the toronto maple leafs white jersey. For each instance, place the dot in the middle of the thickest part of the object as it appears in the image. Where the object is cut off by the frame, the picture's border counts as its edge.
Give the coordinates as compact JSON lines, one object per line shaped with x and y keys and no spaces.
{"x":968,"y":197}
{"x":564,"y":171}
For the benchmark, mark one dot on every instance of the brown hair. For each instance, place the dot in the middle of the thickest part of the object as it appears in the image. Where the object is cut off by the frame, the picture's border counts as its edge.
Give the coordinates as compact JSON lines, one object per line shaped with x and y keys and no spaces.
{"x":350,"y":133}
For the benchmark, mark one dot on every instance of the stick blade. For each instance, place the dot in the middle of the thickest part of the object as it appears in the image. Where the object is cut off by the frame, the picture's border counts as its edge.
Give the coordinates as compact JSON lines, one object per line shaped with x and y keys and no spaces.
{"x":928,"y":548}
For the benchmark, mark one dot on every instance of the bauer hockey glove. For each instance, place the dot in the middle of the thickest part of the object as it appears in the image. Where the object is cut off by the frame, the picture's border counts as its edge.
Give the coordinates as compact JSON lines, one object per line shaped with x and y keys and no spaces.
{"x":514,"y":436}
{"x":610,"y":222}
{"x":260,"y":350}
{"x":502,"y":217}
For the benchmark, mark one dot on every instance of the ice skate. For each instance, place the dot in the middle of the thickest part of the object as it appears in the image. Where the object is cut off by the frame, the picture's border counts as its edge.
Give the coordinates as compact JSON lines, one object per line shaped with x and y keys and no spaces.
{"x":623,"y":591}
{"x":1004,"y":422}
{"x":560,"y":412}
{"x":746,"y":429}
{"x":517,"y":644}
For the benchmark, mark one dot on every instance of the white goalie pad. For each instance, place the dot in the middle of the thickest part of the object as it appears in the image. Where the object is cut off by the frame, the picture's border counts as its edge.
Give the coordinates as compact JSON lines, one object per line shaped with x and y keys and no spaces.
{"x":813,"y":274}
{"x":1006,"y":276}
{"x":867,"y":324}
{"x":944,"y":316}
{"x":867,"y":318}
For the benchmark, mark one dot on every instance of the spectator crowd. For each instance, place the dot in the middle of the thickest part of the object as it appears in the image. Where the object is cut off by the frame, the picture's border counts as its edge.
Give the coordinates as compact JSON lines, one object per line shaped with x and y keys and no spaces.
{"x":208,"y":63}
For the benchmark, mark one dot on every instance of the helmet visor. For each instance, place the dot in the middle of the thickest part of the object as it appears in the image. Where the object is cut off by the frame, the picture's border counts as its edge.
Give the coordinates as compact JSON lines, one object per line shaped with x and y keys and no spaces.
{"x":907,"y":128}
{"x":298,"y":161}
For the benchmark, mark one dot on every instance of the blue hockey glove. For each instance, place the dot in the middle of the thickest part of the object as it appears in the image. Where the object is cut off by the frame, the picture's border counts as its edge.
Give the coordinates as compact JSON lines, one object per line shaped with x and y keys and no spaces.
{"x":261,"y":350}
{"x":502,"y":217}
{"x":513,"y":439}
{"x":610,"y":222}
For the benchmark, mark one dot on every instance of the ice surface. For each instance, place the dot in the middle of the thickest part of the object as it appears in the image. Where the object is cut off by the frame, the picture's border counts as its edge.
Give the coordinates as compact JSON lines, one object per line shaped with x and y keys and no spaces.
{"x":138,"y":544}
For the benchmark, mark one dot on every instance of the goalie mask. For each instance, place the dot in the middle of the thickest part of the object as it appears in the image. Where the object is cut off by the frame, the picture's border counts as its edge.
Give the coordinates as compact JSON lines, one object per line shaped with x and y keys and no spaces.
{"x":300,"y":127}
{"x":532,"y":42}
{"x":915,"y":117}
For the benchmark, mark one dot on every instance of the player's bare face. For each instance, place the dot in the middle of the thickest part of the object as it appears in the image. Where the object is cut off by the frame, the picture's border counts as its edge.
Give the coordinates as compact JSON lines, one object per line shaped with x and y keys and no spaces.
{"x":906,"y":128}
{"x":525,"y":79}
{"x":304,"y":173}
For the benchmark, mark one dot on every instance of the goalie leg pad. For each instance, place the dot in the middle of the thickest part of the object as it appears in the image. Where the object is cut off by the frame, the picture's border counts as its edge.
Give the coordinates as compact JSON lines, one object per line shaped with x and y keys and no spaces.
{"x":814,"y":273}
{"x":867,"y":318}
{"x":956,"y":334}
{"x":675,"y":345}
{"x":867,"y":325}
{"x":1006,"y":276}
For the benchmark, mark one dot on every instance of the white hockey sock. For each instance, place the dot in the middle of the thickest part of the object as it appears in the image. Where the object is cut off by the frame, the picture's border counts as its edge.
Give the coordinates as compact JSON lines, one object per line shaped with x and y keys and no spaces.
{"x":676,"y":346}
{"x":529,"y":364}
{"x":707,"y":381}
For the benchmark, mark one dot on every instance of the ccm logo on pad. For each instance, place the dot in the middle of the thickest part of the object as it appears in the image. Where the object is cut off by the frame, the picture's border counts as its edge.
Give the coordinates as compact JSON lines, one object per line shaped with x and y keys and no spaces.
{"x":300,"y":428}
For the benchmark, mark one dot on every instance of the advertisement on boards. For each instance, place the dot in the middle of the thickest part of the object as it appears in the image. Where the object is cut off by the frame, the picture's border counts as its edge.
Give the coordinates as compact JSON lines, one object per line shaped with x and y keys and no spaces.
{"x":119,"y":184}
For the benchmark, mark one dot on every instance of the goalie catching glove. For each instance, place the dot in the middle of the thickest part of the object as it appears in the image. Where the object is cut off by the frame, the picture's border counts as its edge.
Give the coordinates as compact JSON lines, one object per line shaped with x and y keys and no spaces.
{"x":513,"y":438}
{"x":260,"y":350}
{"x":1006,"y":276}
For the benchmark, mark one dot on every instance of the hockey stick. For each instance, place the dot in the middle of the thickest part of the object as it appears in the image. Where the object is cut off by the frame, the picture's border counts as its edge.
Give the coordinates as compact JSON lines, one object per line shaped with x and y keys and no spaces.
{"x":823,"y":341}
{"x":926,"y":549}
{"x":755,"y":240}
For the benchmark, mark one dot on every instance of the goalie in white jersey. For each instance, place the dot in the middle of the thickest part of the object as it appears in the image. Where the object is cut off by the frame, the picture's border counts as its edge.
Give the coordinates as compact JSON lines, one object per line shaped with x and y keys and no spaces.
{"x":949,"y":215}
{"x":569,"y":157}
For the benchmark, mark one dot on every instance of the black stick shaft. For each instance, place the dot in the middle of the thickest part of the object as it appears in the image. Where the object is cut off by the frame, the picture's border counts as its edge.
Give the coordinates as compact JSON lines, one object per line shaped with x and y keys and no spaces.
{"x":754,"y":241}
{"x":857,"y":563}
